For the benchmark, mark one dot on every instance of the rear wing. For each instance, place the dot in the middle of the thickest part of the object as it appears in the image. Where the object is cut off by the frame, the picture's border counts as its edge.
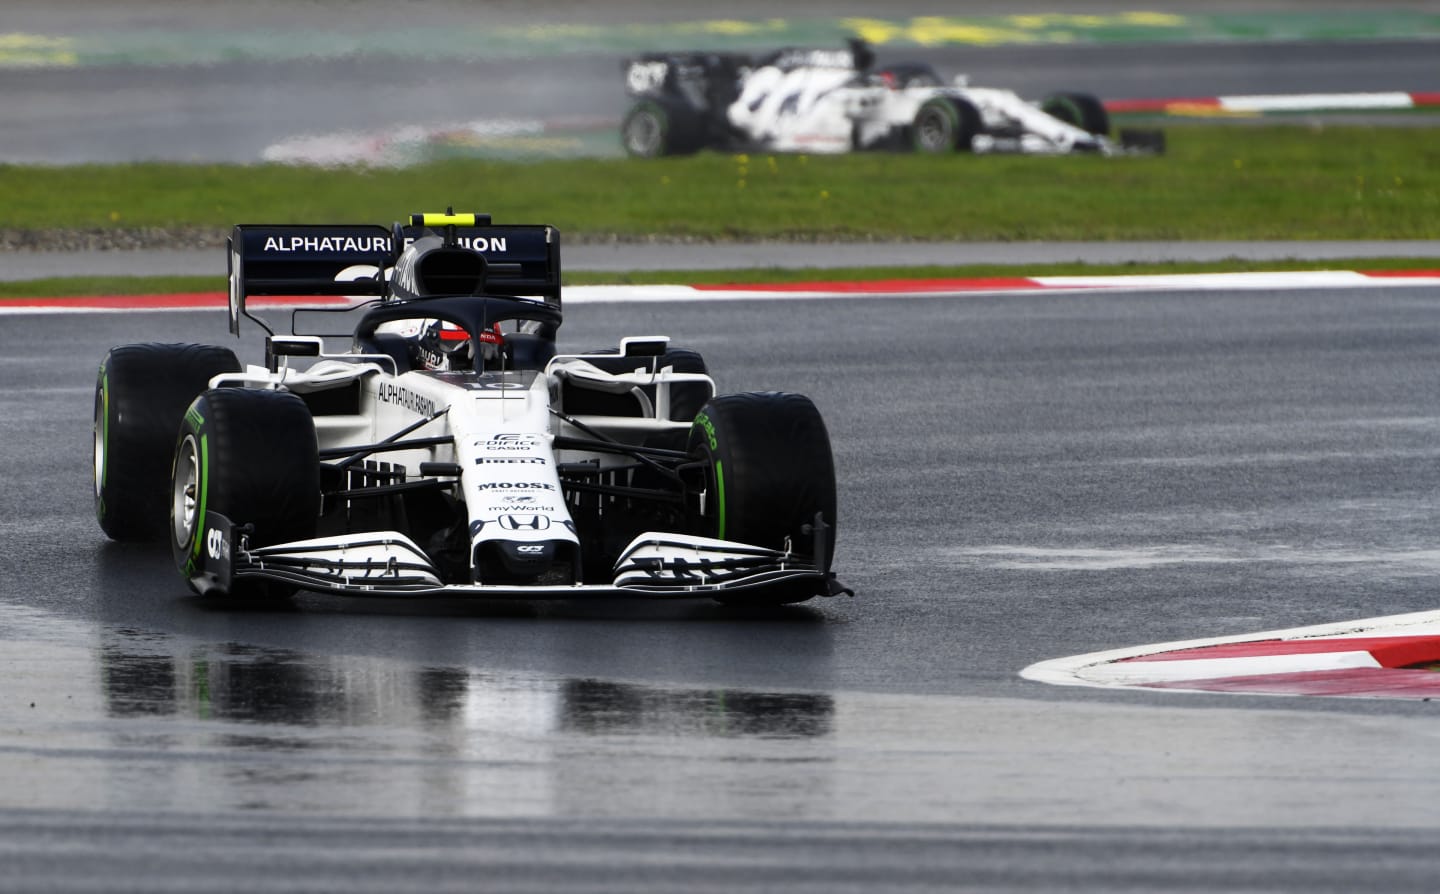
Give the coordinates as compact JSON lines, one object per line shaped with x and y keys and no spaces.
{"x":321,"y":259}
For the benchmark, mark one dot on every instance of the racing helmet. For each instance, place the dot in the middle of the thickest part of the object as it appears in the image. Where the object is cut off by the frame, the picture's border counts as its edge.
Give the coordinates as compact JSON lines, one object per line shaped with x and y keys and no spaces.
{"x":445,"y":346}
{"x":448,"y":347}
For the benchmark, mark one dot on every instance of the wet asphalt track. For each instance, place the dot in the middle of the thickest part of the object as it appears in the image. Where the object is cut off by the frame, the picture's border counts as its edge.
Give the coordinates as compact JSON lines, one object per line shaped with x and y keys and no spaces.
{"x":1021,"y":476}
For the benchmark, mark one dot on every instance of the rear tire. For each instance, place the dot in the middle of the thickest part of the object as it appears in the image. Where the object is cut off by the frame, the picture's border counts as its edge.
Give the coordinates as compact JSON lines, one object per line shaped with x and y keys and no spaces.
{"x":944,"y":124}
{"x":768,"y":471}
{"x":141,"y":394}
{"x":251,"y":456}
{"x":1080,"y":109}
{"x":652,"y":128}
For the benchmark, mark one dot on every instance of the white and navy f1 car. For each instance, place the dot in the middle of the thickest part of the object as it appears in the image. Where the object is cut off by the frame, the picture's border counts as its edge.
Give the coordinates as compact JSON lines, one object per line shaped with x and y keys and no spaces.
{"x":832,"y":101}
{"x":451,"y":450}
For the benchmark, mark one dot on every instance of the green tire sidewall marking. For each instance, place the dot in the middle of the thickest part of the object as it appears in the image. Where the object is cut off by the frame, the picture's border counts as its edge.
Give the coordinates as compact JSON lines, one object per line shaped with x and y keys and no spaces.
{"x":944,"y":110}
{"x":1069,"y":107}
{"x":720,"y":499}
{"x":704,"y":422}
{"x":202,"y":484}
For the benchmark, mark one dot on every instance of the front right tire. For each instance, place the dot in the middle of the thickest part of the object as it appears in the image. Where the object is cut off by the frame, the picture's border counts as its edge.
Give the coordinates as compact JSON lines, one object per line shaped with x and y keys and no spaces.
{"x":141,"y":392}
{"x":1079,"y":109}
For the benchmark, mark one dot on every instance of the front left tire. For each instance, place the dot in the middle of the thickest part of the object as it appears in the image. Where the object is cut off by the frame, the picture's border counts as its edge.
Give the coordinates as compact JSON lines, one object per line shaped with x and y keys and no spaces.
{"x":945,"y":124}
{"x":252,"y":457}
{"x":768,"y":478}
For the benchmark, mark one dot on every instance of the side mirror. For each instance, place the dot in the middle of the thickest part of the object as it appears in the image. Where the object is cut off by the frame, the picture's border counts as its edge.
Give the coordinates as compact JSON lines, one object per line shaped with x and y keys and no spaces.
{"x":289,"y":346}
{"x":644,"y":345}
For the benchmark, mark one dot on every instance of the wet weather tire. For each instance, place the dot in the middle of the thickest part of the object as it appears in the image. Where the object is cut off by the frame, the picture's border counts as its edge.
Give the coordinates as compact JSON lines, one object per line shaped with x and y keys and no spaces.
{"x":141,"y":393}
{"x":1080,"y":109}
{"x":251,"y":456}
{"x":652,"y":129}
{"x":945,"y":124}
{"x":768,"y":471}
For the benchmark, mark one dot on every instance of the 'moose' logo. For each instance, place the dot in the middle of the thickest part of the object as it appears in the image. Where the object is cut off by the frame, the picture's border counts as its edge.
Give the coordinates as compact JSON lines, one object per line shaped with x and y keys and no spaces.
{"x":515,"y":485}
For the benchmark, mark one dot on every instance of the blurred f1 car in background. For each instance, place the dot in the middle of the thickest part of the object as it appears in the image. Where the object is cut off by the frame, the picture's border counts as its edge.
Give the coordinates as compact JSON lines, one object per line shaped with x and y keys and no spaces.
{"x":833,"y":101}
{"x":450,"y":449}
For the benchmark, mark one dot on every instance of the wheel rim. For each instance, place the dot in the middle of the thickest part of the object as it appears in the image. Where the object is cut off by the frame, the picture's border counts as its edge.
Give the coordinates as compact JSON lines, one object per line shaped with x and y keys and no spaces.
{"x":185,"y":502}
{"x":642,"y":134}
{"x":934,"y":132}
{"x":102,"y":400}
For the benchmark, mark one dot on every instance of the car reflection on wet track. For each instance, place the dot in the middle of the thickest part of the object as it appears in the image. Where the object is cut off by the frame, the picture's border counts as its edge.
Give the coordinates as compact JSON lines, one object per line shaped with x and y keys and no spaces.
{"x":241,"y":684}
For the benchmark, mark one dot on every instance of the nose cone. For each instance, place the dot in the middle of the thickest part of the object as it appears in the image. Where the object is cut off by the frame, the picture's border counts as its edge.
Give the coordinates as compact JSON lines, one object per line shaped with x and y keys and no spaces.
{"x":520,"y":562}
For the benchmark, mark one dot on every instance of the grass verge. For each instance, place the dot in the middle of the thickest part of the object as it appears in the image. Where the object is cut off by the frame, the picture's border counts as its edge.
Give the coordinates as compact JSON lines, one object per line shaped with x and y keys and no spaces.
{"x":1216,"y":182}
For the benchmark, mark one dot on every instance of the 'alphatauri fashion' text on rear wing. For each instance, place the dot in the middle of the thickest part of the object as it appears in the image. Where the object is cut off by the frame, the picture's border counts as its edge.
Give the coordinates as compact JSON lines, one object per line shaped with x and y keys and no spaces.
{"x":323,"y":259}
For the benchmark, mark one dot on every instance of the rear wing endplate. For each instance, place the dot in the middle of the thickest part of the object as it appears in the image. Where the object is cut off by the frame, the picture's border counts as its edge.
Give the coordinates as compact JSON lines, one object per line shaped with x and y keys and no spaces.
{"x":320,"y":259}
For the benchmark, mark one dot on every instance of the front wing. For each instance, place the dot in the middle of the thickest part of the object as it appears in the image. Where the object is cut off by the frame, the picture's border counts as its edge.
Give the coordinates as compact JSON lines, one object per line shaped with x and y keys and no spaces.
{"x":389,"y":564}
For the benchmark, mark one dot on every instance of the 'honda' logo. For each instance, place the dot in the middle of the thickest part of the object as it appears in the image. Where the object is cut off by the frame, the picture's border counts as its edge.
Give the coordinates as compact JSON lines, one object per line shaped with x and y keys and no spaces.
{"x":524,"y":522}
